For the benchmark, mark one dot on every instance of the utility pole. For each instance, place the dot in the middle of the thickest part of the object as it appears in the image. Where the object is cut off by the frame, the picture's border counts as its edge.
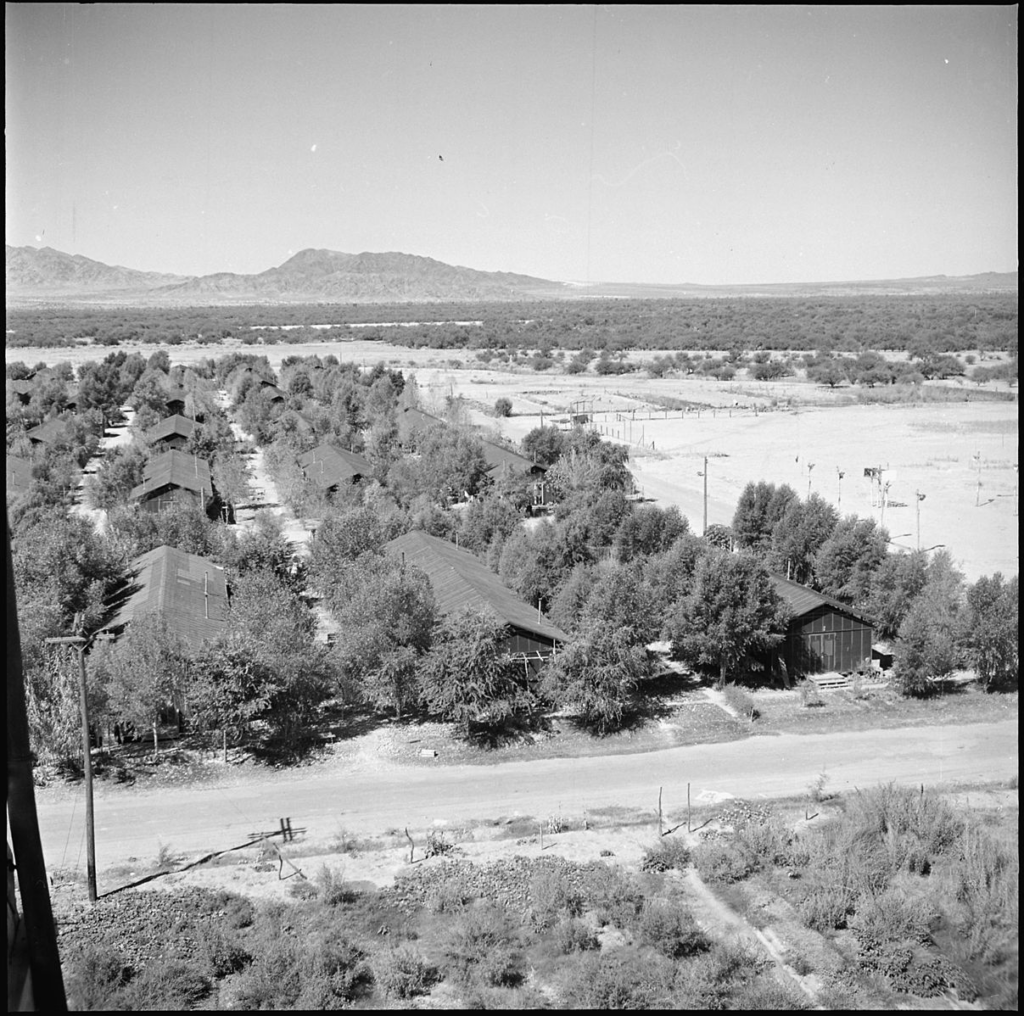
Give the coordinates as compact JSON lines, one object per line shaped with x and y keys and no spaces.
{"x":704,"y":473}
{"x":80,"y":642}
{"x":918,"y":497}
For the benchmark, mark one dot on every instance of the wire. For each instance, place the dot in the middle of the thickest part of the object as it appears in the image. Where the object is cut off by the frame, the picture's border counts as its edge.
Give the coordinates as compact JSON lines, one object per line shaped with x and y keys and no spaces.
{"x":71,"y":822}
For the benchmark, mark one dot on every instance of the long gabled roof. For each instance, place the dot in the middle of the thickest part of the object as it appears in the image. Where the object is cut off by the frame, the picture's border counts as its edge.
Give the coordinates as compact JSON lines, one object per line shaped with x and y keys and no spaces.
{"x":802,"y":599}
{"x":189,"y":593}
{"x":49,"y":430}
{"x":171,"y":426}
{"x":459,"y":579}
{"x":496,"y":456}
{"x":505,"y":460}
{"x":327,"y":465}
{"x":175,"y":469}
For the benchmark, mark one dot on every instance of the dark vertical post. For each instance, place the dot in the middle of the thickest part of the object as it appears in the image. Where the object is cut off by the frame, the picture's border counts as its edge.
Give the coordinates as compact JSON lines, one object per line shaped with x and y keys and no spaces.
{"x":705,"y":533}
{"x":90,"y":823}
{"x":23,"y":823}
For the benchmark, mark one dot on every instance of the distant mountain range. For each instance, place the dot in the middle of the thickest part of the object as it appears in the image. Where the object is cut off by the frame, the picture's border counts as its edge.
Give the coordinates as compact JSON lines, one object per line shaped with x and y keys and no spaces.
{"x":44,"y":275}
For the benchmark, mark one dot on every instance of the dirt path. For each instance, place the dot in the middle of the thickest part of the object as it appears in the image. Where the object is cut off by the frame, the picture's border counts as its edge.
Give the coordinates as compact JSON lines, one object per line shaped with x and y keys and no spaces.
{"x":265,"y":495}
{"x":720,"y":921}
{"x":369,"y":795}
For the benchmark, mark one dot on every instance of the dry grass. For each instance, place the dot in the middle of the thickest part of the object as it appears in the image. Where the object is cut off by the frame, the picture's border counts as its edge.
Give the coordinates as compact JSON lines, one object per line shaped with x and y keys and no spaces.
{"x":785,"y":712}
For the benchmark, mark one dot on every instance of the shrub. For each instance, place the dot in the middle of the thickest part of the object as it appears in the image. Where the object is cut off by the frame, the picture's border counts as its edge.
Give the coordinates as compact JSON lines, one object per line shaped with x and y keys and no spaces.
{"x":553,"y":895}
{"x":303,"y":889}
{"x":827,"y":907}
{"x":168,"y":985}
{"x":503,"y":406}
{"x":403,"y":972}
{"x":332,"y":887}
{"x":97,"y":977}
{"x":624,"y":978}
{"x":671,"y":930}
{"x":452,"y":894}
{"x":573,"y":935}
{"x":482,"y":944}
{"x":717,"y":860}
{"x":741,"y":701}
{"x":665,"y":855}
{"x":222,"y":954}
{"x":765,"y":994}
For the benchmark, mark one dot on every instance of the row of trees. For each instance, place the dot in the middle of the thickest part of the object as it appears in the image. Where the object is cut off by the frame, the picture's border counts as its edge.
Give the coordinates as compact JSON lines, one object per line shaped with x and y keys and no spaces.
{"x":943,"y":324}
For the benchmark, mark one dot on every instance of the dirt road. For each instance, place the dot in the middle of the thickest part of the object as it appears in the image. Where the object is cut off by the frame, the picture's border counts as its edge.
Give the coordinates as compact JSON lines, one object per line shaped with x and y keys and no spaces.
{"x":131,"y":823}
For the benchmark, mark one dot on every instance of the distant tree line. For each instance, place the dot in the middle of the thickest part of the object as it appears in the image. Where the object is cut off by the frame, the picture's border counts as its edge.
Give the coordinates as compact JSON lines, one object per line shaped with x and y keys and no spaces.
{"x":939,"y":324}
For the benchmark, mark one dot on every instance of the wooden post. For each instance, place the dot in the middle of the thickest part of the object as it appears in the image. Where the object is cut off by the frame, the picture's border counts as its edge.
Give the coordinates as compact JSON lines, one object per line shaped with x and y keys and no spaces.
{"x":412,"y":846}
{"x":90,"y":822}
{"x":661,"y":824}
{"x":688,"y":827}
{"x":224,"y":744}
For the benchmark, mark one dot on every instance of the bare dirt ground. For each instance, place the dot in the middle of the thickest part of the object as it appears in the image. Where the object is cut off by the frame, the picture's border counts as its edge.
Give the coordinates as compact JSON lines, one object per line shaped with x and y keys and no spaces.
{"x":364,"y":793}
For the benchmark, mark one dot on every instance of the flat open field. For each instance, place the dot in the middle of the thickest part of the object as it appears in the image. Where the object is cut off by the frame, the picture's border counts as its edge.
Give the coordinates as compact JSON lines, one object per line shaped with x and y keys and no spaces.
{"x":783,"y":432}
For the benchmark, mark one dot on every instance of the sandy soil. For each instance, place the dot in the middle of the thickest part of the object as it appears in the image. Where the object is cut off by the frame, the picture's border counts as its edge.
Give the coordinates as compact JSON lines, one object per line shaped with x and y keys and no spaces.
{"x":366,"y":793}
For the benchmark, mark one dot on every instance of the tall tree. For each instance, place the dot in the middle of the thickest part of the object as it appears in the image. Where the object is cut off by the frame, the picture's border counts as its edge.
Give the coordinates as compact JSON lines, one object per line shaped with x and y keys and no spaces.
{"x":894,"y":586}
{"x":930,"y":641}
{"x":759,"y":509}
{"x":597,"y":676}
{"x":993,"y":630}
{"x":731,"y":610}
{"x":848,"y":559}
{"x":468,"y":677}
{"x":799,"y":535}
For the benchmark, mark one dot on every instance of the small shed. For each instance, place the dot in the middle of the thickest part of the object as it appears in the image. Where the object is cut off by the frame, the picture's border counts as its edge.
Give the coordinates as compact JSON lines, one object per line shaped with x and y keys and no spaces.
{"x":50,"y":431}
{"x":329,"y":467}
{"x":175,"y":477}
{"x":824,"y":634}
{"x":172,"y":432}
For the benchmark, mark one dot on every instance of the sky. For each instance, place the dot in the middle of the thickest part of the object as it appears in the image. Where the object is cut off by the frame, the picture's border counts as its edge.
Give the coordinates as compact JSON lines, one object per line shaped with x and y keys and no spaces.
{"x":713,"y":145}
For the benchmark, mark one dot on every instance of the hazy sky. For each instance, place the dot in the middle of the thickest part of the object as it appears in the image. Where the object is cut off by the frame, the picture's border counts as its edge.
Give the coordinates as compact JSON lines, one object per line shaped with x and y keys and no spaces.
{"x":633,"y":144}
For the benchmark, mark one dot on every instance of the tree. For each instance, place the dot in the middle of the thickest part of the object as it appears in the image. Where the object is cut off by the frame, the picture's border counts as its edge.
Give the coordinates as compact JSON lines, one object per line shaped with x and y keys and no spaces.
{"x":759,"y":509}
{"x":121,"y":470}
{"x":829,"y":372}
{"x":800,"y":534}
{"x":732,"y":610}
{"x":992,"y":630}
{"x":145,"y":672}
{"x":269,"y":622}
{"x":544,"y":445}
{"x":486,"y":518}
{"x":848,"y":559}
{"x":929,"y":644}
{"x":385,"y":613}
{"x":648,"y":530}
{"x":231,"y":688}
{"x":468,"y":677}
{"x":503,"y":407}
{"x":597,"y":676}
{"x":621,"y":600}
{"x":894,"y":586}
